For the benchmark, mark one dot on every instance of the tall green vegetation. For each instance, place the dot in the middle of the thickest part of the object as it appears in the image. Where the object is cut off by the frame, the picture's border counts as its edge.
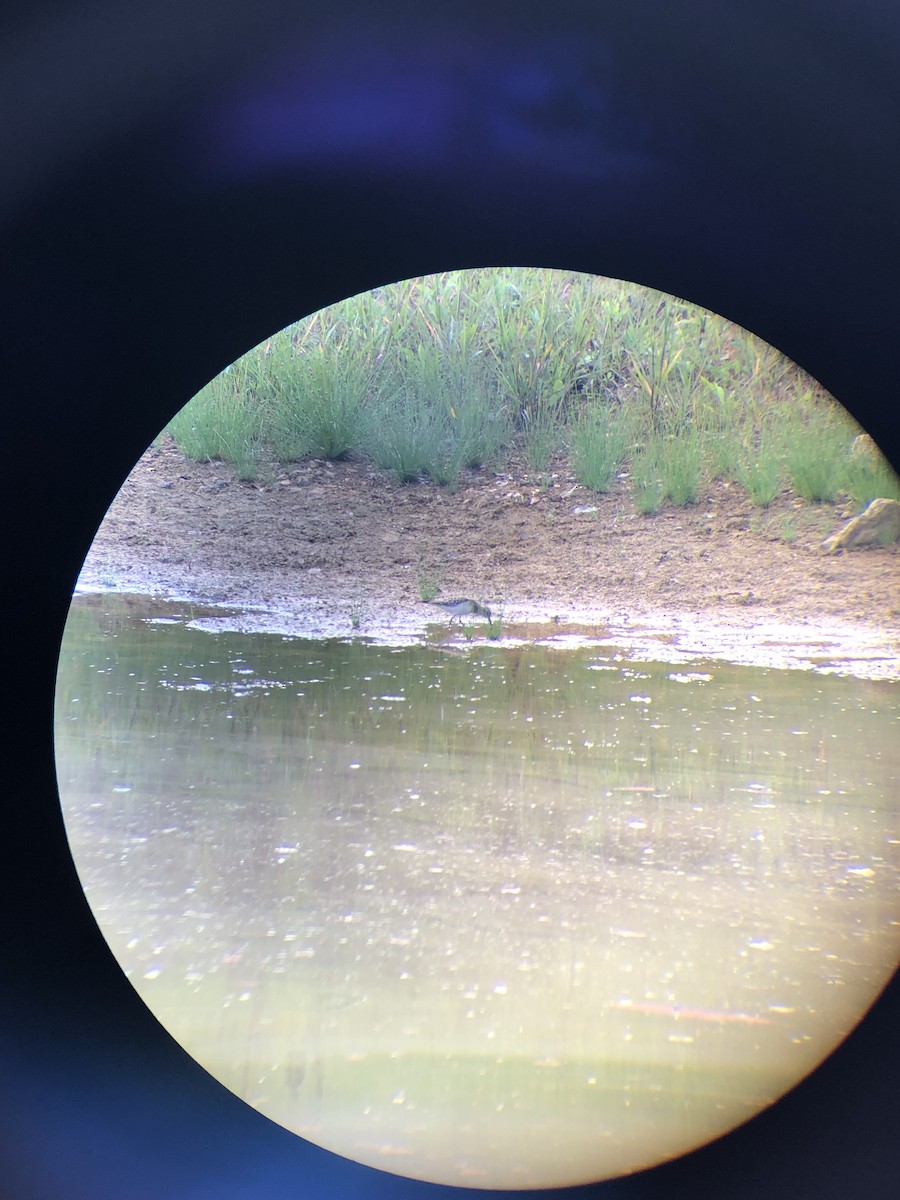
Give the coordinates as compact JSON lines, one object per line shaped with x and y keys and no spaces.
{"x":599,"y":440}
{"x":434,"y":376}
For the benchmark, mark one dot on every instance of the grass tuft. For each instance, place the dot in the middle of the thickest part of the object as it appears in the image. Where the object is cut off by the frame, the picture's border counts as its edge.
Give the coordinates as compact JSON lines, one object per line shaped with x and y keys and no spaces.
{"x":681,"y":460}
{"x":541,"y":439}
{"x":428,"y":580}
{"x":759,"y":470}
{"x":816,"y":460}
{"x":868,"y":480}
{"x":599,"y":440}
{"x":647,"y":481}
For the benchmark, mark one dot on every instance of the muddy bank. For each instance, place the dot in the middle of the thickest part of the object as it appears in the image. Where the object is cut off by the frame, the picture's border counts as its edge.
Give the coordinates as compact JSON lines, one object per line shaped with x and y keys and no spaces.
{"x":339,"y":550}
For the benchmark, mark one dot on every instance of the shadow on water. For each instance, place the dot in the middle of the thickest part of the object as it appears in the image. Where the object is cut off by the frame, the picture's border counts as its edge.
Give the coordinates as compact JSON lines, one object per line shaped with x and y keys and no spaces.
{"x":439,"y":911}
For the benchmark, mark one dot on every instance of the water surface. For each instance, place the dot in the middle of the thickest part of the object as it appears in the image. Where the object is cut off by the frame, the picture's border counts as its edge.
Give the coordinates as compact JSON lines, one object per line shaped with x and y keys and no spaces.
{"x":483,"y":914}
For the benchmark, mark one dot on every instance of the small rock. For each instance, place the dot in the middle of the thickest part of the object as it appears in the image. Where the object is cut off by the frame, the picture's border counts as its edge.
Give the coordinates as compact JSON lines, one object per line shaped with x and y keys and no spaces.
{"x":878,"y":522}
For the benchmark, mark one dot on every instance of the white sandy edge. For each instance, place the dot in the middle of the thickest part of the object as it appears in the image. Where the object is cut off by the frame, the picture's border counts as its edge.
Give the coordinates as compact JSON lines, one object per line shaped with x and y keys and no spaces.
{"x":752,"y":637}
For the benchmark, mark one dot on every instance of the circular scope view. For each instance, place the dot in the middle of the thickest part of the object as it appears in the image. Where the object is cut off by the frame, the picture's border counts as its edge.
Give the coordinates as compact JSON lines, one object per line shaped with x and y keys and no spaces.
{"x":477,"y":727}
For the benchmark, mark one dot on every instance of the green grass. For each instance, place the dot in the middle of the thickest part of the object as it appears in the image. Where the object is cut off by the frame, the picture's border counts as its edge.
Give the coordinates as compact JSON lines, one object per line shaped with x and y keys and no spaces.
{"x":760,"y":470}
{"x":648,"y":488}
{"x":536,"y":329}
{"x":541,"y":439}
{"x":681,"y":463}
{"x":318,"y":397}
{"x":598,"y":442}
{"x":224,"y":421}
{"x":407,"y":436}
{"x":428,"y":580}
{"x":435,"y":376}
{"x":788,"y":529}
{"x":722,"y":454}
{"x":817,"y":456}
{"x":866,"y":480}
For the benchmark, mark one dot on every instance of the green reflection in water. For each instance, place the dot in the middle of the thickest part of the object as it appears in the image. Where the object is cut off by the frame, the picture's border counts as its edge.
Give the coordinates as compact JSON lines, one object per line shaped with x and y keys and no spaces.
{"x":505,"y":917}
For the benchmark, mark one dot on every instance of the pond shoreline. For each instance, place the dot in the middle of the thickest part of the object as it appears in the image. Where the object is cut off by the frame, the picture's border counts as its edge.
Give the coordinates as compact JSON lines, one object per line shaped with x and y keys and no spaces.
{"x":325,"y":550}
{"x":679,"y":638}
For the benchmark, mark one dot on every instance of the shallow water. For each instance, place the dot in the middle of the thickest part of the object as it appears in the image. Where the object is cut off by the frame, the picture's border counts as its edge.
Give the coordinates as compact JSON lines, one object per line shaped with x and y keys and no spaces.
{"x":484,"y":914}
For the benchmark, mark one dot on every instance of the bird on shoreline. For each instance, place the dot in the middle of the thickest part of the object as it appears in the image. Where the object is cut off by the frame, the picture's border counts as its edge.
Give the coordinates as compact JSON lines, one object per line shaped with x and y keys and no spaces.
{"x":462,"y":608}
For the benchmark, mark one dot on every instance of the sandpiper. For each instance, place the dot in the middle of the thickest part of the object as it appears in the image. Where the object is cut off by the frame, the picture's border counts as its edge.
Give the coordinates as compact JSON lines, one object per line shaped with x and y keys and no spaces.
{"x":462,"y":608}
